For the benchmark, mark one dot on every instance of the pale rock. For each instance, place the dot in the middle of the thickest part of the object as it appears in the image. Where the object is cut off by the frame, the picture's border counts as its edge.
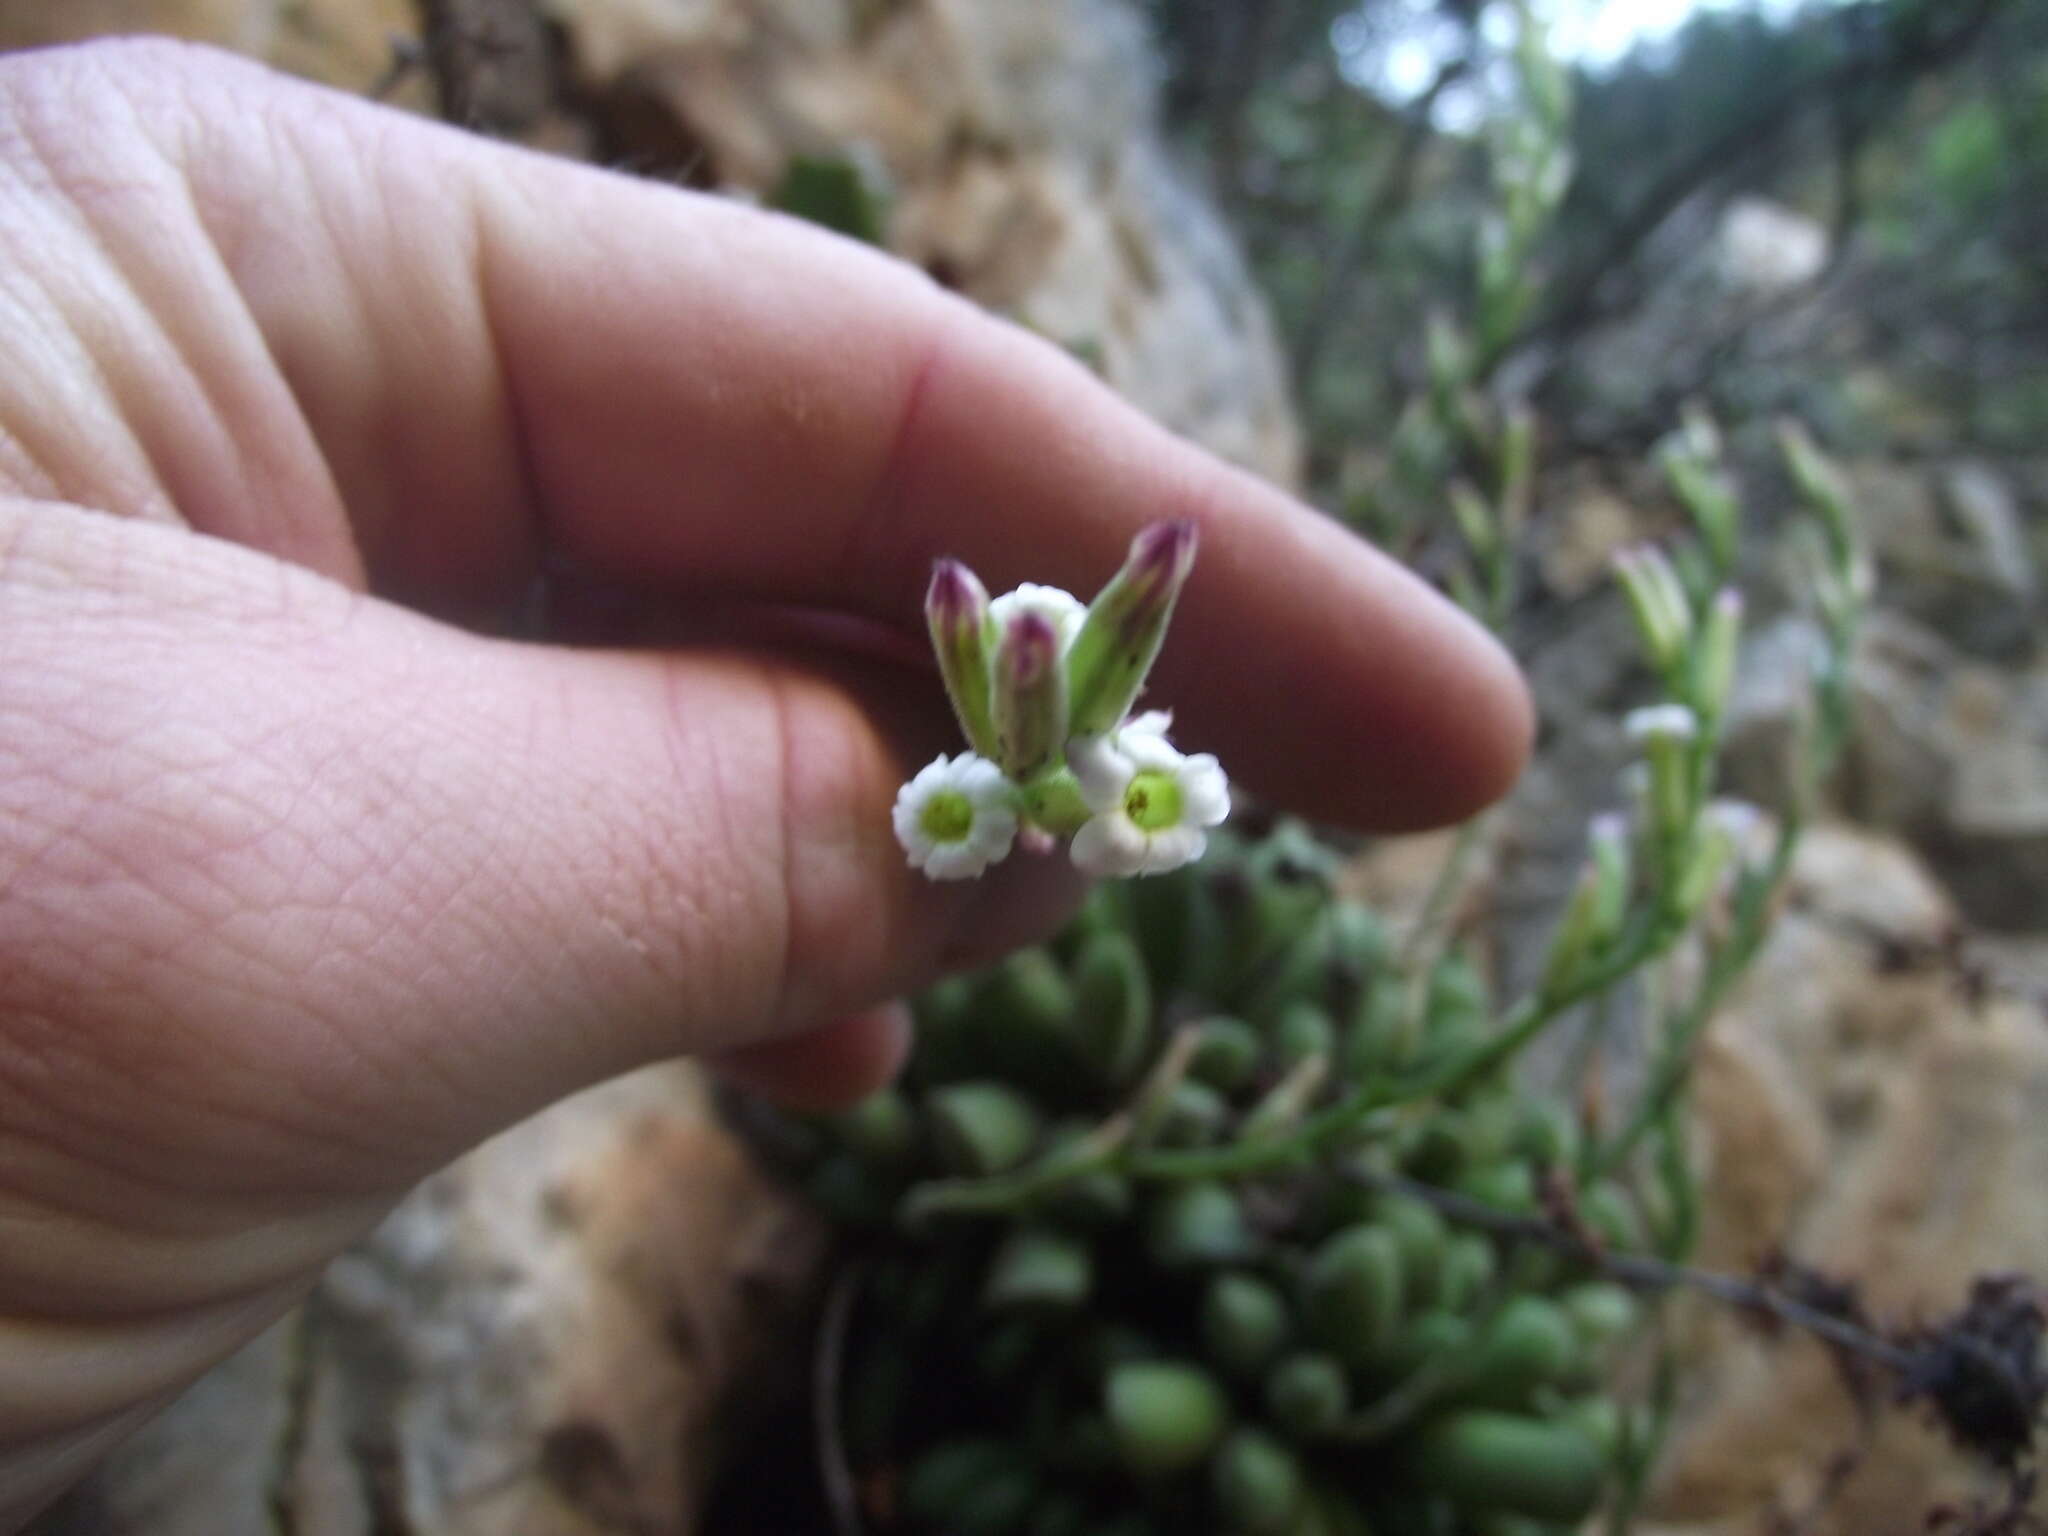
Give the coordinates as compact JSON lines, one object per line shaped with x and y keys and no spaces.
{"x":1576,"y":543}
{"x":1856,"y":1107}
{"x":1765,"y":247}
{"x":1949,"y":751}
{"x":1024,"y":169}
{"x":1993,"y":526}
{"x":345,"y":43}
{"x":550,"y":1338}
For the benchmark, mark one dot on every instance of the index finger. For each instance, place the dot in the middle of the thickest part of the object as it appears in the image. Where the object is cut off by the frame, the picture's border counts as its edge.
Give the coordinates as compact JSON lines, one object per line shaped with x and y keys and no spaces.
{"x":697,"y":398}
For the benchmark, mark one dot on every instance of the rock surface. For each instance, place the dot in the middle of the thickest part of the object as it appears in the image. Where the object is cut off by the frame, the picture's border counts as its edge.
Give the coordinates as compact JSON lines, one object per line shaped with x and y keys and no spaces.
{"x":1016,"y":149}
{"x":544,"y":1339}
{"x":1014,"y":143}
{"x":1859,"y":1106}
{"x":1950,"y":751}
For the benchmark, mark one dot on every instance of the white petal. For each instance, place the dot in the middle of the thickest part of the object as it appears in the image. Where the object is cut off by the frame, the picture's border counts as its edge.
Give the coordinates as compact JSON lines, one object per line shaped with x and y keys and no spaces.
{"x":1102,"y":772}
{"x":991,"y":836}
{"x":954,"y":861}
{"x":1171,"y":848}
{"x":1061,"y":609}
{"x":930,"y":778}
{"x":1204,"y":791}
{"x":1673,"y":720}
{"x":1150,"y":752}
{"x":1153,"y":722}
{"x":1108,"y":845}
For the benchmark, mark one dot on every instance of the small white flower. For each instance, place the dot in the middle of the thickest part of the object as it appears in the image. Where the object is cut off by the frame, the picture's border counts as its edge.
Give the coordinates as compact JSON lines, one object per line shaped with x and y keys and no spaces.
{"x":1737,"y":819}
{"x":1672,"y":721}
{"x":1609,"y":827}
{"x":1152,"y":806}
{"x":956,"y":817}
{"x":1062,"y":609}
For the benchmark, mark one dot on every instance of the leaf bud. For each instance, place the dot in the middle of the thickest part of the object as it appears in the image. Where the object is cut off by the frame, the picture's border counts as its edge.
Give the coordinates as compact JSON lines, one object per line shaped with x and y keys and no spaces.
{"x":1226,"y":1053}
{"x":981,"y":1128}
{"x":1352,"y":1291}
{"x":1307,"y":1394}
{"x":1166,"y":1415}
{"x":1257,"y":1484}
{"x":1196,"y":1223}
{"x":1529,"y":1343}
{"x":1508,"y":1462}
{"x":1112,"y":1016}
{"x":1039,"y":1268}
{"x":1244,"y":1322}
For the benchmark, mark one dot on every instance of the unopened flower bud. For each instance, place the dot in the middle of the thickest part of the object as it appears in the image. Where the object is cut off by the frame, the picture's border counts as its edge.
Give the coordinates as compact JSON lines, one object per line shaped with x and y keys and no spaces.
{"x":1720,"y":640}
{"x":1819,"y":483}
{"x":1658,"y":602}
{"x":1607,"y":842}
{"x":1126,"y":623}
{"x":1517,"y":466}
{"x":1030,"y":705}
{"x":1475,"y":519}
{"x":956,"y":611}
{"x":1572,"y":944}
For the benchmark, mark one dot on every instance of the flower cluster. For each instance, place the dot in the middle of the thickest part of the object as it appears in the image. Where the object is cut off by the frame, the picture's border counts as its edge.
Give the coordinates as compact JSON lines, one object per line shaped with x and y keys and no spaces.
{"x":1042,"y":686}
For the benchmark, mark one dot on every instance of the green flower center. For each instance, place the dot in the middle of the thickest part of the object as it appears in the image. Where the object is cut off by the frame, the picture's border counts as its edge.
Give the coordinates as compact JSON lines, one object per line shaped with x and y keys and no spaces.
{"x":947,"y":817}
{"x":1153,"y":801}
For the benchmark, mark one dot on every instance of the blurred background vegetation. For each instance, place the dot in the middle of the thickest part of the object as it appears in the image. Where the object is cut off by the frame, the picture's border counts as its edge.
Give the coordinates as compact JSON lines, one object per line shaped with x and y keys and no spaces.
{"x":1903,"y":142}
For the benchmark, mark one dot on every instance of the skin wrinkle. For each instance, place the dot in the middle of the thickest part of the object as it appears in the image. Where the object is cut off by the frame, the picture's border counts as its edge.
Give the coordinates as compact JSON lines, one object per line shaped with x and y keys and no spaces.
{"x":864,"y":564}
{"x":234,"y":1255}
{"x":91,"y":200}
{"x":708,"y":769}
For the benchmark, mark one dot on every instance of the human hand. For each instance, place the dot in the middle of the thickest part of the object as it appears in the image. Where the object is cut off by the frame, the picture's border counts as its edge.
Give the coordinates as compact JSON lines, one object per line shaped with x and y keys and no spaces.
{"x":414,"y":696}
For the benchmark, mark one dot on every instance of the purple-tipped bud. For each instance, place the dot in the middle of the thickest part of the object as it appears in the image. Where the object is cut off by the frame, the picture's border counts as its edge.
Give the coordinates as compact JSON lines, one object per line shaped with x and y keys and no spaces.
{"x":1126,"y":625}
{"x":956,"y":611}
{"x":956,"y":597}
{"x":1030,"y":696}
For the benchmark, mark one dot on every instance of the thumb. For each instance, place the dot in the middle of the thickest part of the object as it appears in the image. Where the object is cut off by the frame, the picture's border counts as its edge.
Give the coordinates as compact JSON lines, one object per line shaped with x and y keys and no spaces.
{"x":302,"y":891}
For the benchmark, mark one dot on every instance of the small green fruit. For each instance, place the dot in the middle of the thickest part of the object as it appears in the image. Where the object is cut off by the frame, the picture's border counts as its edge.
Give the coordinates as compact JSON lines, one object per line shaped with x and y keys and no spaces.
{"x":981,"y":1128}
